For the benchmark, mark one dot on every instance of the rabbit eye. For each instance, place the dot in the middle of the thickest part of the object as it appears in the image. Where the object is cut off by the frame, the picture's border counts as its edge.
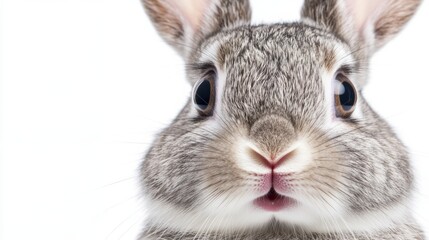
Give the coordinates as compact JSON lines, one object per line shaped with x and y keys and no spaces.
{"x":204,"y":96}
{"x":345,"y":96}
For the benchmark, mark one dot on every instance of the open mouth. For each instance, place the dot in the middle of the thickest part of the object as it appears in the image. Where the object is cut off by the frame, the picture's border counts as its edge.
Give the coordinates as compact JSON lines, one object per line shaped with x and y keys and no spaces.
{"x":273,"y":201}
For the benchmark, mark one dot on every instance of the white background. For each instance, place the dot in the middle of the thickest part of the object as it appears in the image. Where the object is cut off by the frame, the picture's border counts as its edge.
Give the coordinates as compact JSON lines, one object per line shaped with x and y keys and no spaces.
{"x":86,"y":84}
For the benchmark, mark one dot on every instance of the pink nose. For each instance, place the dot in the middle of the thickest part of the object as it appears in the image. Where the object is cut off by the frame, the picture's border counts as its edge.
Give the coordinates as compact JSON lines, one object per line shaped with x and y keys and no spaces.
{"x":273,"y":160}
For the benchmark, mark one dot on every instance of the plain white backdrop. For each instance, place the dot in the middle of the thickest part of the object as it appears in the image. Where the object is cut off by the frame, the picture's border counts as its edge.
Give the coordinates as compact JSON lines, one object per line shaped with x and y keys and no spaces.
{"x":87,"y":83}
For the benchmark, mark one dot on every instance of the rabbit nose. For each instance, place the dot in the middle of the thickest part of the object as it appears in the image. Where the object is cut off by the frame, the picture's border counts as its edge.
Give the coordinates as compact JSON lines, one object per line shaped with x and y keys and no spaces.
{"x":273,"y":134}
{"x":272,"y":161}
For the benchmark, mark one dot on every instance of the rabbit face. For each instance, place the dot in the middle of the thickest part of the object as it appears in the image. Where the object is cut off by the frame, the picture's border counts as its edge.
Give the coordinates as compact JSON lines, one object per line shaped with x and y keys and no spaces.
{"x":276,"y":129}
{"x":273,"y":148}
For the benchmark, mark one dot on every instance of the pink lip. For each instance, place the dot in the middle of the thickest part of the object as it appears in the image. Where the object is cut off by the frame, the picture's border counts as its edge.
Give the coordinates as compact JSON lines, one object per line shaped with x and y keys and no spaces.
{"x":273,"y":201}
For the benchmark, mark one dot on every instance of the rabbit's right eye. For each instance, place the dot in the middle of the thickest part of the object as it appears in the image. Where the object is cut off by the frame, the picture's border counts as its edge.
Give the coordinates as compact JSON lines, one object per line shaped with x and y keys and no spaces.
{"x":204,"y":96}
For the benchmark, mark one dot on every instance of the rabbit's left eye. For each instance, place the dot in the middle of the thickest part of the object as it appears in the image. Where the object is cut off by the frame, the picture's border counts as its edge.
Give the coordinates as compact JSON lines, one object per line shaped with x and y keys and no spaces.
{"x":204,"y":96}
{"x":345,"y":96}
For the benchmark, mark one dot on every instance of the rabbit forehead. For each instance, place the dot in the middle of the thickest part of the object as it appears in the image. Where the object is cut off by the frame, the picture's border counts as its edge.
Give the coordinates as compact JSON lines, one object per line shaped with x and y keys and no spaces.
{"x":274,"y":69}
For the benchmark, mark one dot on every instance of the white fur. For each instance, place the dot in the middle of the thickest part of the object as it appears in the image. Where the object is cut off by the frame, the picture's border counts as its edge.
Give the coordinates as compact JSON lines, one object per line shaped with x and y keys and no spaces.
{"x":247,"y":162}
{"x":239,"y":214}
{"x":298,"y":161}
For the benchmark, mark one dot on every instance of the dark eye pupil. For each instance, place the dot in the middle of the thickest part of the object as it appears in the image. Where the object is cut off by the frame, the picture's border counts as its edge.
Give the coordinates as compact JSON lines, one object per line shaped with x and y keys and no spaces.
{"x":348,"y":96}
{"x":203,"y":94}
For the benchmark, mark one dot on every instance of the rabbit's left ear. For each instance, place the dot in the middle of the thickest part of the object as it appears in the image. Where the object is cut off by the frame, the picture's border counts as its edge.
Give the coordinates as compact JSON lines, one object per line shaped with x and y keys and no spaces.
{"x":363,"y":24}
{"x":184,"y":23}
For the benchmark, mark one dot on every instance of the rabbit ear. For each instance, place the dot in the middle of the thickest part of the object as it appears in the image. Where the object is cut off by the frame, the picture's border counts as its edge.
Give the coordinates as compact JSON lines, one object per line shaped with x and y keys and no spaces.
{"x":184,"y":23}
{"x":367,"y":24}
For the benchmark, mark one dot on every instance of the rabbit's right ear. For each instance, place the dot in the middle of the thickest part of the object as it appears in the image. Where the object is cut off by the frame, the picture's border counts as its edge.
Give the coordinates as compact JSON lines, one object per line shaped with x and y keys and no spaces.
{"x":184,"y":23}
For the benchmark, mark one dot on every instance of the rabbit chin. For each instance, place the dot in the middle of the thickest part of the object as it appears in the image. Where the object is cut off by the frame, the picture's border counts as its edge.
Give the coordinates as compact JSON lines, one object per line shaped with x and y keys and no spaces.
{"x":248,"y":217}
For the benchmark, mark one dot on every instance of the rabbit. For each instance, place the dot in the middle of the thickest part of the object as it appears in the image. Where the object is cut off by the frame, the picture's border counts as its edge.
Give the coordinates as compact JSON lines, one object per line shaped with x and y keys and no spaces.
{"x":276,"y":140}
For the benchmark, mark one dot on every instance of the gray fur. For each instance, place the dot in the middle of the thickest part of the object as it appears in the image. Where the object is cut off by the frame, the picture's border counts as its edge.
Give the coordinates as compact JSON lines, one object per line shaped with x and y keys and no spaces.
{"x":277,"y":232}
{"x":273,"y":94}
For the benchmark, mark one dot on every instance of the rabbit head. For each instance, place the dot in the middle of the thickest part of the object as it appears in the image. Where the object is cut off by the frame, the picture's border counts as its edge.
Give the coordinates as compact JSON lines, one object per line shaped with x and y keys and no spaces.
{"x":276,"y":128}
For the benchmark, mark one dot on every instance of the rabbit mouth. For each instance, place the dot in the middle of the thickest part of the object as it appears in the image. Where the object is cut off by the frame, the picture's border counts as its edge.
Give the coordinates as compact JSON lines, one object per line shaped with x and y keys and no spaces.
{"x":273,"y":201}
